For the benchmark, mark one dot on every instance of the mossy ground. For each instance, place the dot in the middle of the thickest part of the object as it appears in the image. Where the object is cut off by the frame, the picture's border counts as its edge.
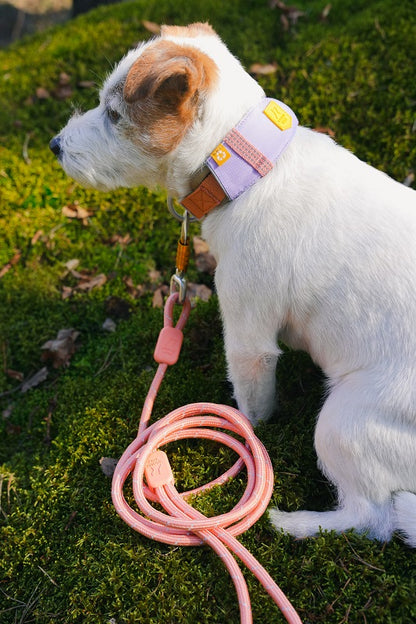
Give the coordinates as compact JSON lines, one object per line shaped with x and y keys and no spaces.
{"x":65,"y":556}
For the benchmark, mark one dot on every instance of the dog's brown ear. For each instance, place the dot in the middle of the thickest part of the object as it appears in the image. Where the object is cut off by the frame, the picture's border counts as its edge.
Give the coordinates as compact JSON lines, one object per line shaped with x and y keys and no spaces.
{"x":163,"y":90}
{"x":169,"y":73}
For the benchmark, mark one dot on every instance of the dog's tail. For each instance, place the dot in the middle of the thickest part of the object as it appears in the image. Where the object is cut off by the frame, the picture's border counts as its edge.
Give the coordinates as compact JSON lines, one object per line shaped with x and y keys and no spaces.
{"x":405,"y":516}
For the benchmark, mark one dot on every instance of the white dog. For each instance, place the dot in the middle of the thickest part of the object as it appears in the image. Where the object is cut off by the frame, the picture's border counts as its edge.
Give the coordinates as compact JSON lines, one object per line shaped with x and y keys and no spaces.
{"x":320,"y":252}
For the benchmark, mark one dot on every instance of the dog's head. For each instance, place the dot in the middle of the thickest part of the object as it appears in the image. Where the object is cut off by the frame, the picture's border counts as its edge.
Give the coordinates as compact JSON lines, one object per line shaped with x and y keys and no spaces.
{"x":163,"y":109}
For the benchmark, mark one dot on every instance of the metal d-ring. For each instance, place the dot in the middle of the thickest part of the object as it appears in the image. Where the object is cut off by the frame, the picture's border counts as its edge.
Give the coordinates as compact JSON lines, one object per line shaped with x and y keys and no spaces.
{"x":176,"y":214}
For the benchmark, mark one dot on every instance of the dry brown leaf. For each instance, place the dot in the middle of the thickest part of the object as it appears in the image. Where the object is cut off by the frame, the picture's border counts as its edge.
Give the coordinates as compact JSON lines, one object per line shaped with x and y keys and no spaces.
{"x":36,"y":237}
{"x":328,"y":131}
{"x":151,"y":27}
{"x":121,"y":240}
{"x":93,"y":282}
{"x":289,"y":13}
{"x":108,"y":465}
{"x":152,"y":285}
{"x":285,"y":22}
{"x":63,"y":90}
{"x":35,"y":380}
{"x":16,"y":257}
{"x":7,"y":412}
{"x":198,"y":291}
{"x":134,"y":291}
{"x":42,"y":93}
{"x":61,"y":349}
{"x":199,"y":245}
{"x":86,"y":84}
{"x":71,"y":265}
{"x":158,"y":296}
{"x":67,"y":292}
{"x":109,"y":325}
{"x":263,"y":70}
{"x":6,"y":268}
{"x":157,"y":301}
{"x":70,"y":212}
{"x":14,"y":374}
{"x":87,"y":280}
{"x":154,"y":276}
{"x":204,"y":261}
{"x":75,"y":211}
{"x":325,"y":12}
{"x":64,"y":79}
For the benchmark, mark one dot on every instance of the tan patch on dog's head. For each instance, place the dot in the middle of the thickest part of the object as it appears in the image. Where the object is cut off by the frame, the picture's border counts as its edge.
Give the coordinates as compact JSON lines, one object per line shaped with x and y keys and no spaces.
{"x":163,"y":89}
{"x":193,"y":30}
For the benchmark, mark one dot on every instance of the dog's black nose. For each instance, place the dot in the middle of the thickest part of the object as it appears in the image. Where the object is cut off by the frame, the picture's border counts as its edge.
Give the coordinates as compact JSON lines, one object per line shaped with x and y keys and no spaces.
{"x":55,"y":145}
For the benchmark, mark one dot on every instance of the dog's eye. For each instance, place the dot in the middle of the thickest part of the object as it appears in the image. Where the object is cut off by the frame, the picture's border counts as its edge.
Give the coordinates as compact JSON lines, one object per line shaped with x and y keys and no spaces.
{"x":113,"y":115}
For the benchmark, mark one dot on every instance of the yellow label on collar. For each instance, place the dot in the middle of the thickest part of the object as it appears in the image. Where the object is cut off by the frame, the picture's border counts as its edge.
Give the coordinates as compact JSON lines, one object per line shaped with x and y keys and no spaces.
{"x":220,"y":154}
{"x":278,"y":116}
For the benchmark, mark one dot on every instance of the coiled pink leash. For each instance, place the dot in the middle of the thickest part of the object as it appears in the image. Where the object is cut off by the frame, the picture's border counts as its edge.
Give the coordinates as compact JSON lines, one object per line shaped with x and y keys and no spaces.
{"x":153,"y":479}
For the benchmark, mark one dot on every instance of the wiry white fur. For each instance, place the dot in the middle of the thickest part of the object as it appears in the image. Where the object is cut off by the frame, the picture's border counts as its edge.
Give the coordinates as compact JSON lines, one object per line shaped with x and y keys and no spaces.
{"x":321,"y":253}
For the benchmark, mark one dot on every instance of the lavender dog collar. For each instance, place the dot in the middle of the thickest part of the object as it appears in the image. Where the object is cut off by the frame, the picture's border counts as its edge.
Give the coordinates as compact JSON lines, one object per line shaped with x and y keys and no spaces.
{"x":267,"y":129}
{"x":246,"y":154}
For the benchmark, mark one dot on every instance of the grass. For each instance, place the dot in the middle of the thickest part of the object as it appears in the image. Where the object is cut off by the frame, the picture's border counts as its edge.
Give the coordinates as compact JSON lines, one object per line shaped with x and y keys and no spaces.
{"x":65,"y":555}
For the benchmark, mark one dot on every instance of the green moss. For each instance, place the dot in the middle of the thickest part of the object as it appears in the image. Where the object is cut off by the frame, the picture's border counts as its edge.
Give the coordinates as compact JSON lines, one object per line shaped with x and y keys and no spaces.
{"x":65,"y":555}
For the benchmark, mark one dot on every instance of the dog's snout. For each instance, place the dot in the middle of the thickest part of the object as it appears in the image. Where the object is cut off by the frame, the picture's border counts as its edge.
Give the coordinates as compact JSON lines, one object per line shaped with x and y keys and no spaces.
{"x":55,"y":145}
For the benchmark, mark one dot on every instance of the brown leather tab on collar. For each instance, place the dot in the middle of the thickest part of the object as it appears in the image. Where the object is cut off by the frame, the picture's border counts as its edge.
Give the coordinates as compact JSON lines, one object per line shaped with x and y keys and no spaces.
{"x":205,"y":198}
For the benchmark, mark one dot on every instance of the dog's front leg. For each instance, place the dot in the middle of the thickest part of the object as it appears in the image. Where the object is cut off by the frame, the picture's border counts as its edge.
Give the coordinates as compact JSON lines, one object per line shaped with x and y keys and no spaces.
{"x":252,"y":353}
{"x":253,"y":379}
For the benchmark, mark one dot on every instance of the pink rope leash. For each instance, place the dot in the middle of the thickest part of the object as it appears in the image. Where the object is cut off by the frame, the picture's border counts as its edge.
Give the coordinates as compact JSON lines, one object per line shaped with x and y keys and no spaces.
{"x":182,"y":524}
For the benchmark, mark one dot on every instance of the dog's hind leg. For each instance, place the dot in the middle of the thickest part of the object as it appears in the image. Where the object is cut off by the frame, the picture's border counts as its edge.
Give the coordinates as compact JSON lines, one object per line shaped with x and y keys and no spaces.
{"x":367,"y":457}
